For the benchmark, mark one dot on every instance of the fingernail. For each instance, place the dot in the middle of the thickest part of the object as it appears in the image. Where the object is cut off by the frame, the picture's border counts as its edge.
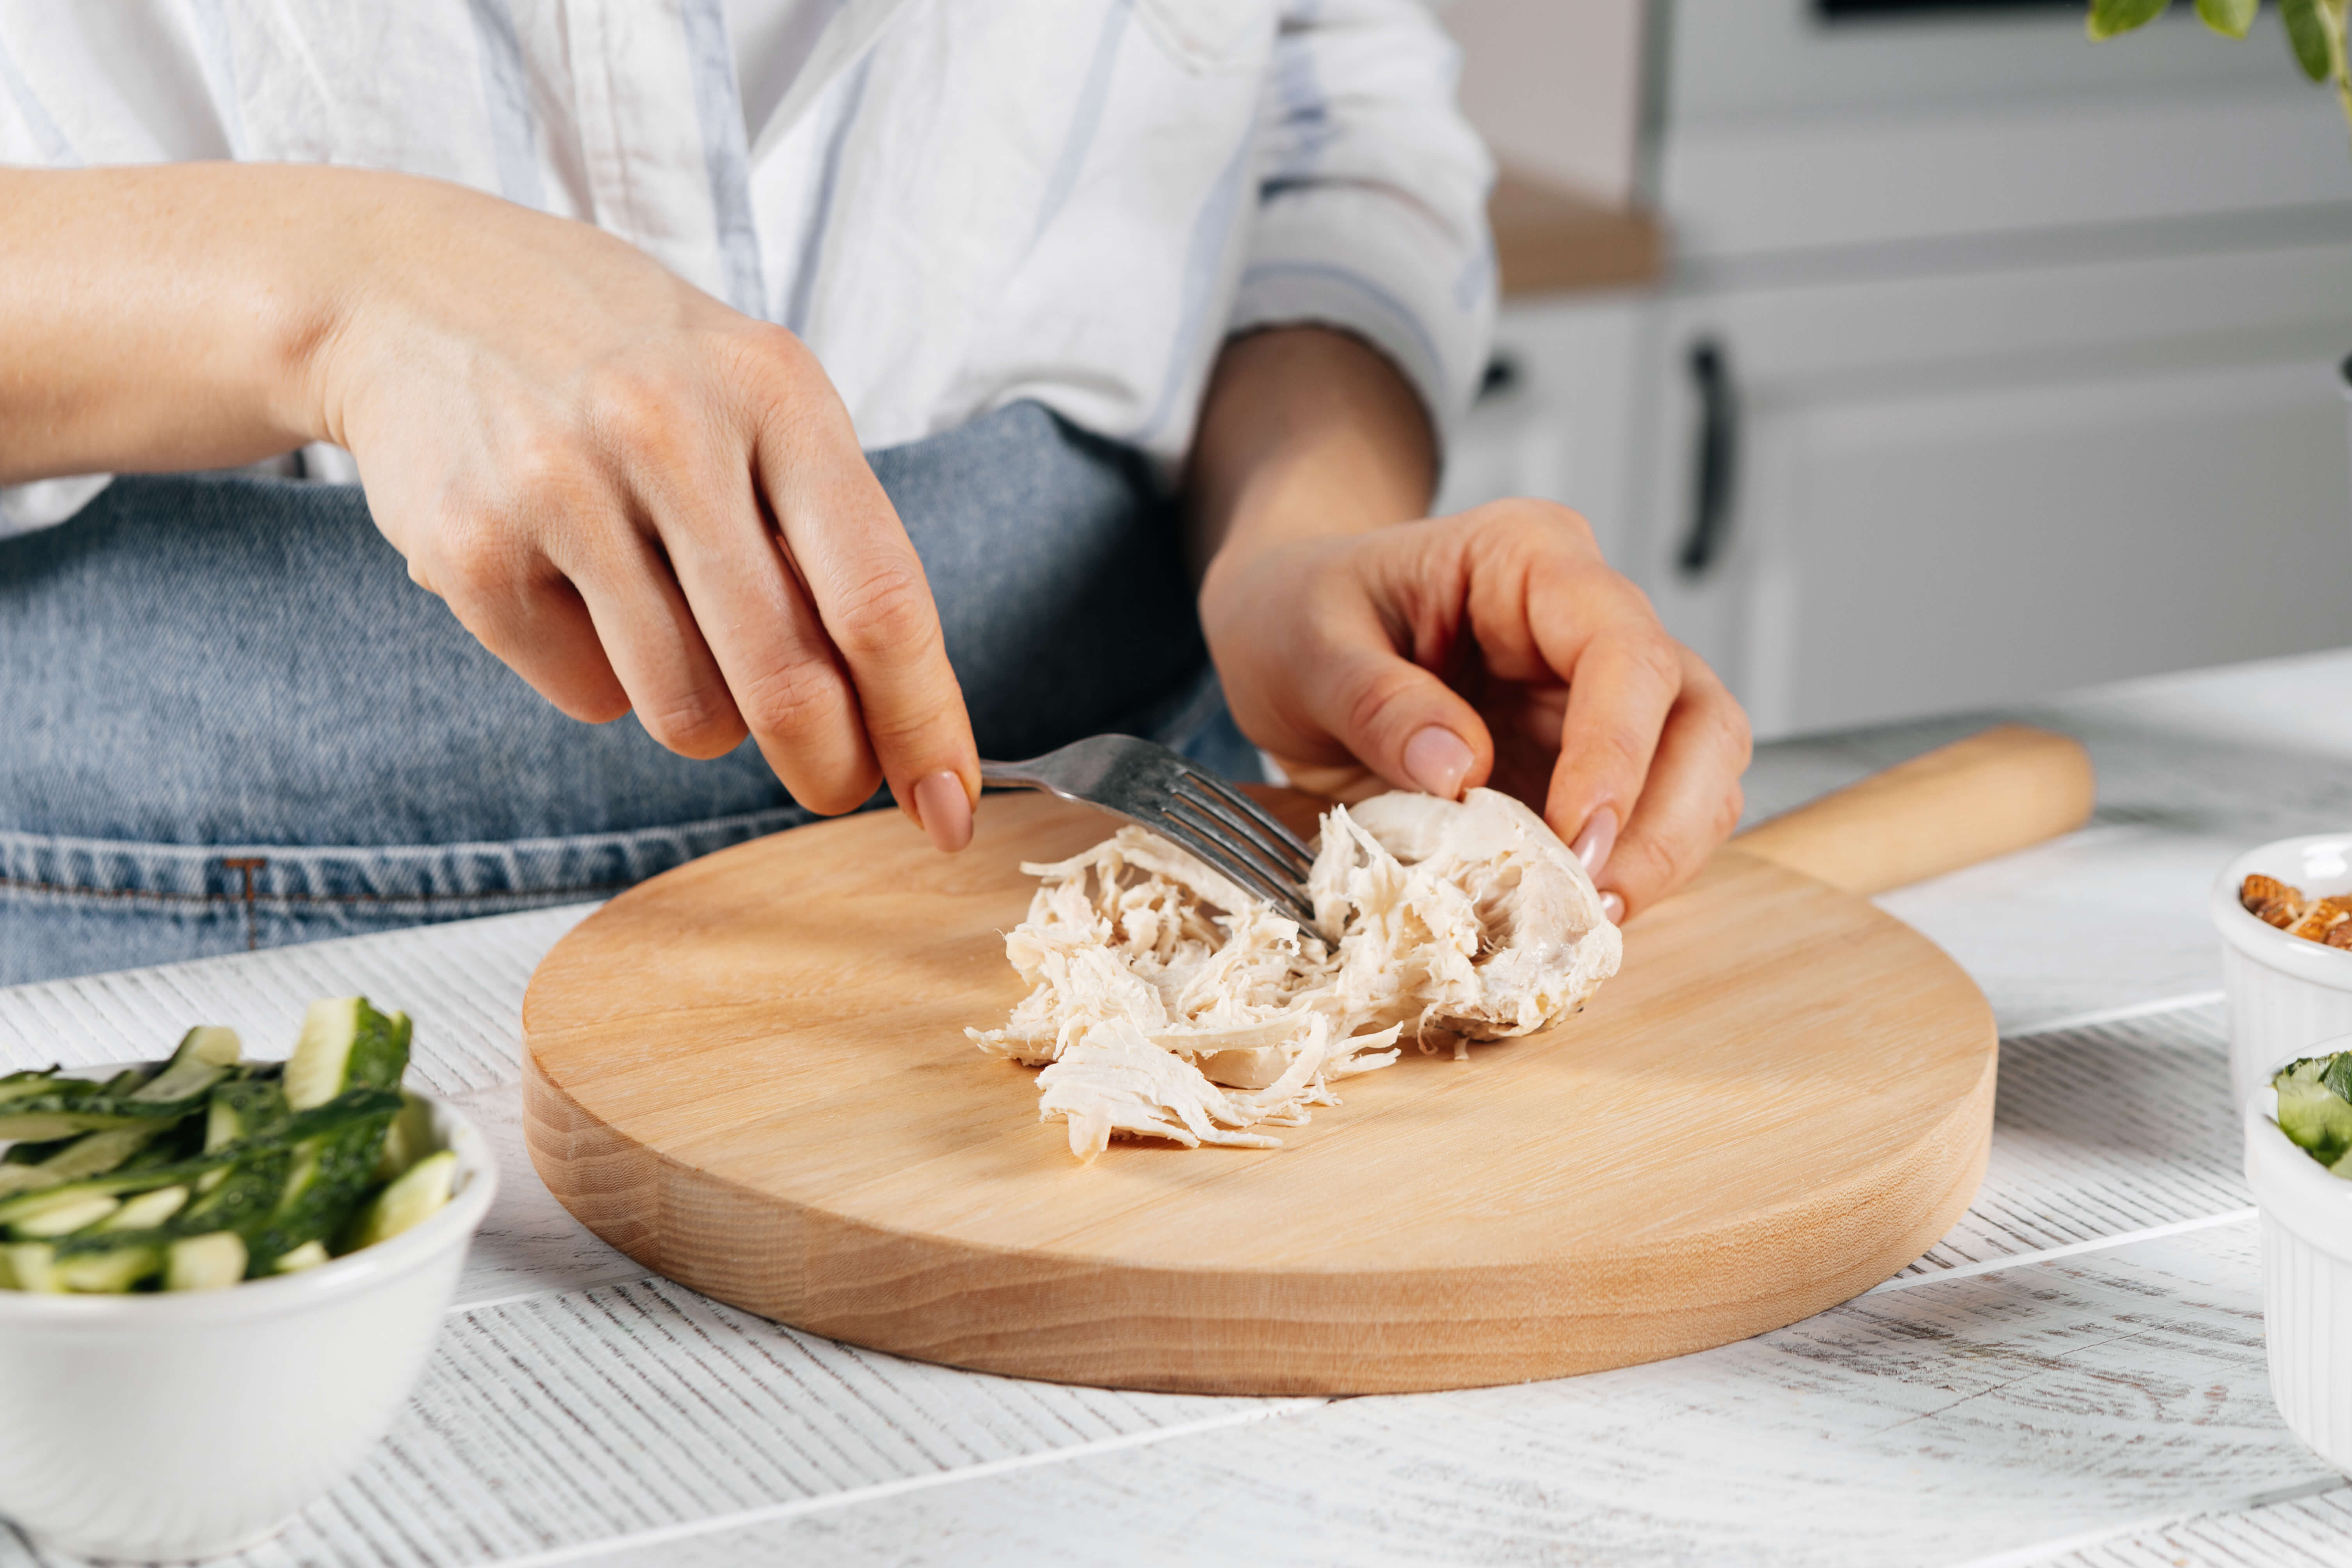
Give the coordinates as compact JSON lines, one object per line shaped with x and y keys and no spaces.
{"x":1612,"y":907}
{"x":1436,"y":760}
{"x":1600,"y":836}
{"x":945,"y":811}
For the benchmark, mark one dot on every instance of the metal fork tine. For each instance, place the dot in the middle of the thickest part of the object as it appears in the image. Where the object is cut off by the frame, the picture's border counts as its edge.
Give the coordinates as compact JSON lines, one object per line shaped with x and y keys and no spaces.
{"x":1248,"y":837}
{"x":1218,"y":827}
{"x":1218,"y":857}
{"x":1287,"y":844}
{"x":1150,"y":785}
{"x":1205,"y":846}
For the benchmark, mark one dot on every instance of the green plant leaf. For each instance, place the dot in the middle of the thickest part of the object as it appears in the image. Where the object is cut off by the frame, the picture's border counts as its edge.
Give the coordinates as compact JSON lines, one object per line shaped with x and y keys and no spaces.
{"x":2230,"y":18}
{"x":2109,"y":18}
{"x":2306,"y":34}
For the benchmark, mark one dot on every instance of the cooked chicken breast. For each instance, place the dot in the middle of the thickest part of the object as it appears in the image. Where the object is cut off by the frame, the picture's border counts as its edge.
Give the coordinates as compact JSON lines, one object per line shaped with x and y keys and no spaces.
{"x":1167,"y":1003}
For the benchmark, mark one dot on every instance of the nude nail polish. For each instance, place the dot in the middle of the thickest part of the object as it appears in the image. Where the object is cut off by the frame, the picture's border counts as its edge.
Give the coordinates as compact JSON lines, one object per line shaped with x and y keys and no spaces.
{"x":1600,"y":837}
{"x":1612,"y":907}
{"x":1437,"y":760}
{"x":945,"y":811}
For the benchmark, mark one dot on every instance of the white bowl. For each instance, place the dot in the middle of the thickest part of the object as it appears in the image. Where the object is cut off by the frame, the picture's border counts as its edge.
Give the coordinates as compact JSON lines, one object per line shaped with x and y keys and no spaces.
{"x":2306,"y":1277}
{"x":2285,"y":992}
{"x":187,"y":1424}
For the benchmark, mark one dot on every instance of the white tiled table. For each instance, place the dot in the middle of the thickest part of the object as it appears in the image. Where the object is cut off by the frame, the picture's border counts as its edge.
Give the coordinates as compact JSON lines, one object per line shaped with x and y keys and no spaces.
{"x":2074,"y":1375}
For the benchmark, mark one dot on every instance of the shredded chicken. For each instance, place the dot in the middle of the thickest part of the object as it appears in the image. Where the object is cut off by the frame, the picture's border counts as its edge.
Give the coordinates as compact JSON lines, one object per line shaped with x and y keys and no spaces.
{"x":1167,"y":1003}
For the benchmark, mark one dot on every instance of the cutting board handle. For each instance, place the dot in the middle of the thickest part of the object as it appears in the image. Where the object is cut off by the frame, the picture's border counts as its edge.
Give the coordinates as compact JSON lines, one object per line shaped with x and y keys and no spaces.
{"x":1994,"y":792}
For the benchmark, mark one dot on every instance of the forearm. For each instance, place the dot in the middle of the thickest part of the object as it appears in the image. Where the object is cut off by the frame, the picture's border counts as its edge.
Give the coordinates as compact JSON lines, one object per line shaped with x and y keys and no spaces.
{"x":170,"y":317}
{"x":1305,"y":434}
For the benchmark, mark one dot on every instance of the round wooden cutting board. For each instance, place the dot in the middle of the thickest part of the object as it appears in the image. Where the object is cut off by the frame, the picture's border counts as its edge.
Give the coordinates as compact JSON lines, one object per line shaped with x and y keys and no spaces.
{"x":751,"y":1075}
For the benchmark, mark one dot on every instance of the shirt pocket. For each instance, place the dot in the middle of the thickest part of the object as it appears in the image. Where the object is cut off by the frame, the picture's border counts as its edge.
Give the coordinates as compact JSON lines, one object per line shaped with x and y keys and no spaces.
{"x":1212,"y":37}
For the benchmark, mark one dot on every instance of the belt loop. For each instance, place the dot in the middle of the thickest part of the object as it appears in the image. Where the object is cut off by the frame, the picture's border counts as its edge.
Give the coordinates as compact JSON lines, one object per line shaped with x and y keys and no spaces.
{"x":245,"y":866}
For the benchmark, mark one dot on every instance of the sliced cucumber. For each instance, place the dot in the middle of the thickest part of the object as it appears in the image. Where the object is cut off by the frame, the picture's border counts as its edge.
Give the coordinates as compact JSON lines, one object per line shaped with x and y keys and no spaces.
{"x":420,"y":1193}
{"x":346,"y":1044}
{"x":44,"y":1124}
{"x":207,"y":1169}
{"x":221,"y":1122}
{"x":74,"y":1210}
{"x":92,"y":1153}
{"x":111,"y":1272}
{"x":324,"y":1179}
{"x":212,"y":1261}
{"x":2314,"y":1117}
{"x":146,"y":1211}
{"x":244,"y":1108}
{"x":243,"y":1200}
{"x":408,"y":1140}
{"x":33,"y":1081}
{"x":114,"y":1183}
{"x":298,"y":1185}
{"x":36,"y":1107}
{"x":71,"y":1106}
{"x":30,"y":1266}
{"x":95,"y":1154}
{"x":310,"y":1254}
{"x":206,"y":1053}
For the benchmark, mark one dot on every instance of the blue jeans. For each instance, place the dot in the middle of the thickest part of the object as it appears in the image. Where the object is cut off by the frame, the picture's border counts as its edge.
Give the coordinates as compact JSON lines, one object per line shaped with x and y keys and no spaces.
{"x":228,"y":720}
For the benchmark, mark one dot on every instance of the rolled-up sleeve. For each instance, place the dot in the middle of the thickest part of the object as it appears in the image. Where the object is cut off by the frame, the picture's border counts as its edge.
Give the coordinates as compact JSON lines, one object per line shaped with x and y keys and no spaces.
{"x":1371,"y":213}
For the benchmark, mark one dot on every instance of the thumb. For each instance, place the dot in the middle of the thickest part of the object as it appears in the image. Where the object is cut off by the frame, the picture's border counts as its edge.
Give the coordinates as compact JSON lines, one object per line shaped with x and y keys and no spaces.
{"x":1403,"y":723}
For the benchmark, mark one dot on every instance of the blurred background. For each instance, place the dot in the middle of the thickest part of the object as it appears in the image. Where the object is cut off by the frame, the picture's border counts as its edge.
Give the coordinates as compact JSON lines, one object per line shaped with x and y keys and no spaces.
{"x":1922,"y":356}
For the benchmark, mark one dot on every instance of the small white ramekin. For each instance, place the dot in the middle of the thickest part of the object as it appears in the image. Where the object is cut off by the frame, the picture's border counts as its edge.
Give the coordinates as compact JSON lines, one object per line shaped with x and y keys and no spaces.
{"x":2285,"y":992}
{"x":2306,"y":1277}
{"x":180,"y":1426}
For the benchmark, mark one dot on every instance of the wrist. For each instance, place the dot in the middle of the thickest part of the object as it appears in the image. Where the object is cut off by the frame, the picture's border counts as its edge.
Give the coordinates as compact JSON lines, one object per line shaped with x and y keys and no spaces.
{"x":320,"y":308}
{"x":1305,"y":434}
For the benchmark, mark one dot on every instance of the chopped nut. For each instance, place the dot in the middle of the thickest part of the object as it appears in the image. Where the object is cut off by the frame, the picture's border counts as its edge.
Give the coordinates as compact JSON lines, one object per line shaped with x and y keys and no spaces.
{"x":2270,"y":901}
{"x":2327,"y":921}
{"x":2279,"y":912}
{"x":2321,"y":918}
{"x":2259,"y":890}
{"x":2315,"y":923}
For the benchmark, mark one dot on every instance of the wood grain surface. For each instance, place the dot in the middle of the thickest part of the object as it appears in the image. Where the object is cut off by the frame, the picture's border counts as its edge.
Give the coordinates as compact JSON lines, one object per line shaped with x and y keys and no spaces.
{"x":750,"y":1074}
{"x":1998,"y":790}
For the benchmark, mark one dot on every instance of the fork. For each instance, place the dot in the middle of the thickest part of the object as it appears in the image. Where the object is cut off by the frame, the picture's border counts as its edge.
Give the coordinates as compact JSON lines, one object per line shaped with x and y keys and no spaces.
{"x":1154,"y":788}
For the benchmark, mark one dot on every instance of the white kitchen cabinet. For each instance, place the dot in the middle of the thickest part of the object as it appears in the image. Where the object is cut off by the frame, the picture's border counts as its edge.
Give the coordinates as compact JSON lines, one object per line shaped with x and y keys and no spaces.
{"x":1956,"y":491}
{"x":1557,"y":421}
{"x":2021,"y":377}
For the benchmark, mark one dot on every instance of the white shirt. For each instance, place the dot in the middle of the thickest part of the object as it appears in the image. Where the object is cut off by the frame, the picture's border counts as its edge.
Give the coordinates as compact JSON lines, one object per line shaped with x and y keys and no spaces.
{"x":957,"y":204}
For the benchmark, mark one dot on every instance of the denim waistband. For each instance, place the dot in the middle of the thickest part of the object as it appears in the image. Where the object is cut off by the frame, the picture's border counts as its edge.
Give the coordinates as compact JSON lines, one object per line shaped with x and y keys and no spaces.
{"x":427,"y":880}
{"x":515,"y":872}
{"x":73,"y":904}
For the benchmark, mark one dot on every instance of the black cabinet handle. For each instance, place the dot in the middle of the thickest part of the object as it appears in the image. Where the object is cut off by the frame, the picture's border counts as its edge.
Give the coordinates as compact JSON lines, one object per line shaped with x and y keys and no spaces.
{"x":1501,"y":378}
{"x":1717,"y":459}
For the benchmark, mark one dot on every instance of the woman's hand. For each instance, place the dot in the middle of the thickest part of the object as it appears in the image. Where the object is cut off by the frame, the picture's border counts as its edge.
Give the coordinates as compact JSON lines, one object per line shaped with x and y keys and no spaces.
{"x":640,"y":498}
{"x":634,"y":495}
{"x":1494,"y":647}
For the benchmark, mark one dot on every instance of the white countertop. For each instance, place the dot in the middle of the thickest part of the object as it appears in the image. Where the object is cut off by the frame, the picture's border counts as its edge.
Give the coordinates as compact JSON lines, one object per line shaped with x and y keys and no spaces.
{"x":2074,"y":1375}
